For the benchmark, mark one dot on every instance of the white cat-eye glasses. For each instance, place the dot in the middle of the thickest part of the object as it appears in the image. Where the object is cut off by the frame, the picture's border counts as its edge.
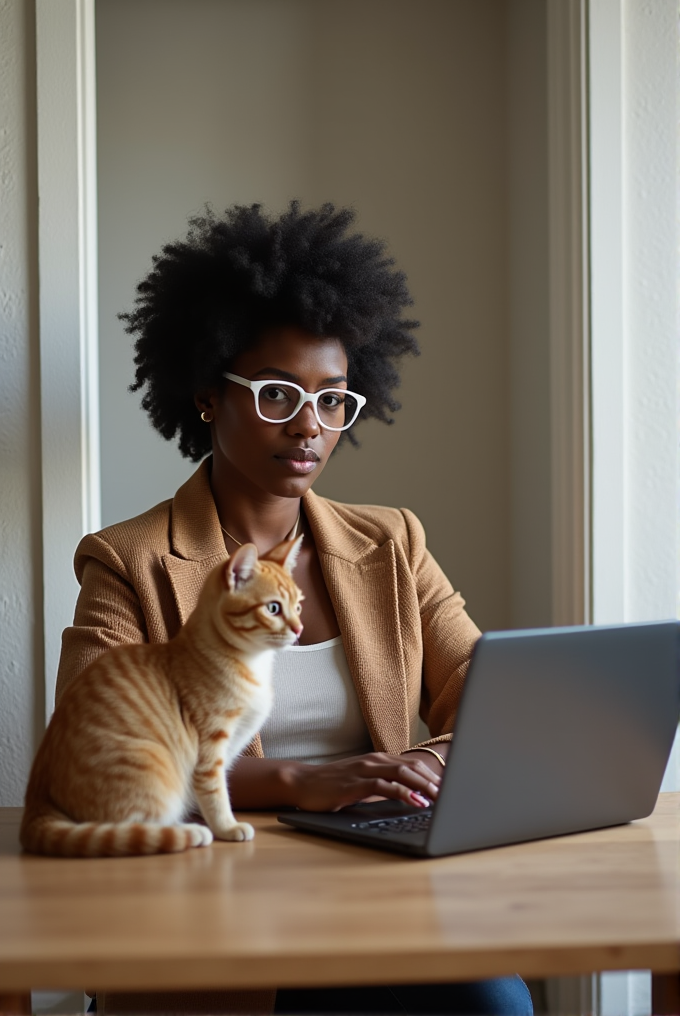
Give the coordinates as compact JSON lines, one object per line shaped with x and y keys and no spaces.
{"x":280,"y":401}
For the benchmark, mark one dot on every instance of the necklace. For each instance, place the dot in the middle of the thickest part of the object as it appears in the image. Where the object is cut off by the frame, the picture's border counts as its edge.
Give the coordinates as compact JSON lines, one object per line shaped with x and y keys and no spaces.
{"x":291,"y":535}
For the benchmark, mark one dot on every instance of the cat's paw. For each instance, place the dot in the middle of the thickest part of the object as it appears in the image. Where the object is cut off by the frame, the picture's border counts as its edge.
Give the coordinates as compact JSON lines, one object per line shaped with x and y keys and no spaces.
{"x":199,"y":835}
{"x":239,"y":831}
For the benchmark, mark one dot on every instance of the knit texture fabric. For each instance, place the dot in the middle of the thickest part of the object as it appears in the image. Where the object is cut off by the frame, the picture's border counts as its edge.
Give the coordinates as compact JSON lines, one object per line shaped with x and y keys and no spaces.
{"x":406,"y":635}
{"x":407,"y":638}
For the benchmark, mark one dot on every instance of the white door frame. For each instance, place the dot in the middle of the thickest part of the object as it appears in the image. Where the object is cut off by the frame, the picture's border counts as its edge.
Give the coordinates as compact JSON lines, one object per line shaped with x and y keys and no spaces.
{"x":634,"y":90}
{"x":569,"y":310}
{"x":69,"y":387}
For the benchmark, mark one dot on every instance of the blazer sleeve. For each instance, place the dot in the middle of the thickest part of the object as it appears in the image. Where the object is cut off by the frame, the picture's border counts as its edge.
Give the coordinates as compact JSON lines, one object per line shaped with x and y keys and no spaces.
{"x":449,"y":635}
{"x":108,"y":612}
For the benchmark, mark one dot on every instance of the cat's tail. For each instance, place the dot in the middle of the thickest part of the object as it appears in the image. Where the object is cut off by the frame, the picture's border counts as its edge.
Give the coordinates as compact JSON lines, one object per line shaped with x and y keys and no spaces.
{"x":52,"y":833}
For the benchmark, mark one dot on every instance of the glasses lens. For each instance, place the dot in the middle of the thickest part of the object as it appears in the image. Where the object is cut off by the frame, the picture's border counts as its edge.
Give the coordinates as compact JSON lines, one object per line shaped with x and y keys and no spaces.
{"x":278,"y":401}
{"x":337,"y":409}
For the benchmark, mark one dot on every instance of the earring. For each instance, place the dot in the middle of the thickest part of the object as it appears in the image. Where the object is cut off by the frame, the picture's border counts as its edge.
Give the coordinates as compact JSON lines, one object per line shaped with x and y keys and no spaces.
{"x":206,"y":417}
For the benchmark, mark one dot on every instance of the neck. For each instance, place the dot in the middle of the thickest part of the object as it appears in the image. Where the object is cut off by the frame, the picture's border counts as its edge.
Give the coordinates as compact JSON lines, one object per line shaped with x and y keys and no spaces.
{"x":253,"y":516}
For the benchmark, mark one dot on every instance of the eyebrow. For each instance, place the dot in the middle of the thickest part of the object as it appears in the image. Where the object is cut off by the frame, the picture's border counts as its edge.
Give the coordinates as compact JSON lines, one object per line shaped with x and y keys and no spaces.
{"x":268,"y":372}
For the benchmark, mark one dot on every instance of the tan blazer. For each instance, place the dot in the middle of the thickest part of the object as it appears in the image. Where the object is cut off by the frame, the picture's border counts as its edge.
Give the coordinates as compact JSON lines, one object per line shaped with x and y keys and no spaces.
{"x":405,"y":632}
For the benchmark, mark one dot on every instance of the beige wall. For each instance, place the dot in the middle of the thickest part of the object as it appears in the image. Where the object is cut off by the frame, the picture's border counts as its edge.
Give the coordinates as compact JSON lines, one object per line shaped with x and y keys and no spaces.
{"x":21,"y":645}
{"x":528,"y":323}
{"x":414,"y":137}
{"x":406,"y":109}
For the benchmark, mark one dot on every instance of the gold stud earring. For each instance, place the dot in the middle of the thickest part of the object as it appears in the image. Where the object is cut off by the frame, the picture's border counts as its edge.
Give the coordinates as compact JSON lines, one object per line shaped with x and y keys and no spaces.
{"x":206,"y":417}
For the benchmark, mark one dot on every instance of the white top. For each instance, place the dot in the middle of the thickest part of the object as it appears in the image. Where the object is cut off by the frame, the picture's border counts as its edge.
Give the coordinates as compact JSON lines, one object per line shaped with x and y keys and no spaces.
{"x":316,"y":716}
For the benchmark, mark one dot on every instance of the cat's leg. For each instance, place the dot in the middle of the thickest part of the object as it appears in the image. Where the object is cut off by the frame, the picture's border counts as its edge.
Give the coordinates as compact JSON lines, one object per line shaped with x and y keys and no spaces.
{"x":210,"y":789}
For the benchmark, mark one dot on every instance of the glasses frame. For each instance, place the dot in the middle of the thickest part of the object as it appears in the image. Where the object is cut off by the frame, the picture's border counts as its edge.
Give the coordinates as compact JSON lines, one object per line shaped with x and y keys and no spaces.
{"x":305,"y":397}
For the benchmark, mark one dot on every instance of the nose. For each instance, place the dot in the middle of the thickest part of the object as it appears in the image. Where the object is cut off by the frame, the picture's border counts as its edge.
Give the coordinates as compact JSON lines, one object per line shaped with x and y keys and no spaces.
{"x":304,"y":423}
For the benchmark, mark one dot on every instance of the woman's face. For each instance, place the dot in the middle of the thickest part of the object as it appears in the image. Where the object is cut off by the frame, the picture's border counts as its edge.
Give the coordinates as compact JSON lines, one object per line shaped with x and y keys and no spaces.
{"x":282,"y":459}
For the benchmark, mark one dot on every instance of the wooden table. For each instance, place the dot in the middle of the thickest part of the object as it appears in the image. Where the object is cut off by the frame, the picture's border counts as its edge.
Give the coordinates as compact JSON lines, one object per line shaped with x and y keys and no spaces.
{"x":291,"y":909}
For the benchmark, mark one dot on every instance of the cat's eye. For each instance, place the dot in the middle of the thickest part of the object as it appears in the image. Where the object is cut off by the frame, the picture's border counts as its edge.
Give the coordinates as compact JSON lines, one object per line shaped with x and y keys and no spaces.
{"x":274,"y":607}
{"x":298,"y":609}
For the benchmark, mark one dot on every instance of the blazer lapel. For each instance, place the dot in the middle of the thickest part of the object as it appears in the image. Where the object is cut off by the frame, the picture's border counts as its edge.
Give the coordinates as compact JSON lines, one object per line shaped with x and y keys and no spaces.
{"x":186,"y":580}
{"x":197,"y":546}
{"x":195,"y":538}
{"x":362,"y":582}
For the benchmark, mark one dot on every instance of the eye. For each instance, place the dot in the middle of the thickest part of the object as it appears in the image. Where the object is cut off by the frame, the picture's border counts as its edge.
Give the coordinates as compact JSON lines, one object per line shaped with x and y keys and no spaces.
{"x":274,"y":607}
{"x":273,"y":393}
{"x":298,"y":609}
{"x":331,"y":400}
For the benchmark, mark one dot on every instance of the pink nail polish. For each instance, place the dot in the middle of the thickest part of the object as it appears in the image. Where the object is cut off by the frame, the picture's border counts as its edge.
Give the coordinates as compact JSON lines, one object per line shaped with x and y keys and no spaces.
{"x":418,"y":799}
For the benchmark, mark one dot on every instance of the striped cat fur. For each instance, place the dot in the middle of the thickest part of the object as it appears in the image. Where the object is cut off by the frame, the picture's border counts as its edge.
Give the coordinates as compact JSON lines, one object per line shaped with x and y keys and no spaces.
{"x":143,"y":737}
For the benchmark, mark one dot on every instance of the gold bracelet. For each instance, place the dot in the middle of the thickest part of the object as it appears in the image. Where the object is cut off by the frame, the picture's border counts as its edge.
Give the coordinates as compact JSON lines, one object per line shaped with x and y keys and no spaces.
{"x":440,"y":758}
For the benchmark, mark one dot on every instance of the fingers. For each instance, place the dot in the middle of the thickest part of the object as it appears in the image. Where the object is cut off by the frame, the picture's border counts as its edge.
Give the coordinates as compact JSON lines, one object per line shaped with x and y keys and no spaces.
{"x":416,"y":799}
{"x":415,"y":775}
{"x":381,"y":790}
{"x":408,"y":783}
{"x":337,"y":784}
{"x":398,"y":792}
{"x":423,"y":771}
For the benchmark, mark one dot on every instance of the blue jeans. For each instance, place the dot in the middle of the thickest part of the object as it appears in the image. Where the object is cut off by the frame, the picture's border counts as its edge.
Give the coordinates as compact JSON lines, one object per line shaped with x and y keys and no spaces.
{"x":498,"y":996}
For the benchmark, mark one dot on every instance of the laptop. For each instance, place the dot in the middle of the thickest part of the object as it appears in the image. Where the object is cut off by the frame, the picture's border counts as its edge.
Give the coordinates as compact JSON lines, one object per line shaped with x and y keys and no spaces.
{"x":559,"y":730}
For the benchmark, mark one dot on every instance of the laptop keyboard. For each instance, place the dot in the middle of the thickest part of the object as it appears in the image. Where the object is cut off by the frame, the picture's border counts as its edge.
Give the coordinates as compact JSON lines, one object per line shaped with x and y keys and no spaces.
{"x":403,"y":826}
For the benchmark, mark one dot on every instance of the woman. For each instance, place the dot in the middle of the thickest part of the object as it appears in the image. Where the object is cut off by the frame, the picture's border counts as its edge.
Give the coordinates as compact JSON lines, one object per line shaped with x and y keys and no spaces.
{"x":263,"y":341}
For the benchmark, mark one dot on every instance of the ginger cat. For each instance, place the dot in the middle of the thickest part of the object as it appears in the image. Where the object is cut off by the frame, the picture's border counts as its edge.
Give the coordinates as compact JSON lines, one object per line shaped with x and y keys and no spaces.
{"x":146,"y":732}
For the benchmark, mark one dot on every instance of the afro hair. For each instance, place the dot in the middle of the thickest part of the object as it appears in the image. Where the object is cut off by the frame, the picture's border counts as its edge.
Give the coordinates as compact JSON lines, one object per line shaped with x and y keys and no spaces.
{"x":210,"y":296}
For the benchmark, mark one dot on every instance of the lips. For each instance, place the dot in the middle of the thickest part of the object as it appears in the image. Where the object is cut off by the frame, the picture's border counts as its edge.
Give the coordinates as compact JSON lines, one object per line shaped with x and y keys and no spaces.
{"x":299,"y":460}
{"x":300,"y":455}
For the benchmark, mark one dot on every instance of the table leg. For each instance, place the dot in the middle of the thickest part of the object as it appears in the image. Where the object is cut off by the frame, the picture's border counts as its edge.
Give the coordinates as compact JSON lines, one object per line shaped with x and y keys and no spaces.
{"x":666,"y":994}
{"x":17,"y":1003}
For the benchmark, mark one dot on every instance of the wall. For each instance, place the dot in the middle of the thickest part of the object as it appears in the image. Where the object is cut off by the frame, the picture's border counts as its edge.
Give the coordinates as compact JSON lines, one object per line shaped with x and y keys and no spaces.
{"x":396,"y":107}
{"x":651,"y":53}
{"x":651,"y":298}
{"x":528,"y":377}
{"x":21,"y":668}
{"x":634,"y":169}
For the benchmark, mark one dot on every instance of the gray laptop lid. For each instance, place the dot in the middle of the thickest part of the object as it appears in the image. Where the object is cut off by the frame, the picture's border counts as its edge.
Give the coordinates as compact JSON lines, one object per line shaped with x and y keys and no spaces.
{"x":559,"y":730}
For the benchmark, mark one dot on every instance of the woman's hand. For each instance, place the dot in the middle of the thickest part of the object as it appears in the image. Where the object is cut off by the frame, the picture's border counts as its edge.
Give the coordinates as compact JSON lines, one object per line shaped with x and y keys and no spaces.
{"x":429,"y":756}
{"x":365,"y":777}
{"x":274,"y":783}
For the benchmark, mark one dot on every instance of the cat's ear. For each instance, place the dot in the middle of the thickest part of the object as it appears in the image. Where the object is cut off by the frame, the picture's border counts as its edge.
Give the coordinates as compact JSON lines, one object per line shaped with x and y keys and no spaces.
{"x":240,"y":567}
{"x":286,"y":553}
